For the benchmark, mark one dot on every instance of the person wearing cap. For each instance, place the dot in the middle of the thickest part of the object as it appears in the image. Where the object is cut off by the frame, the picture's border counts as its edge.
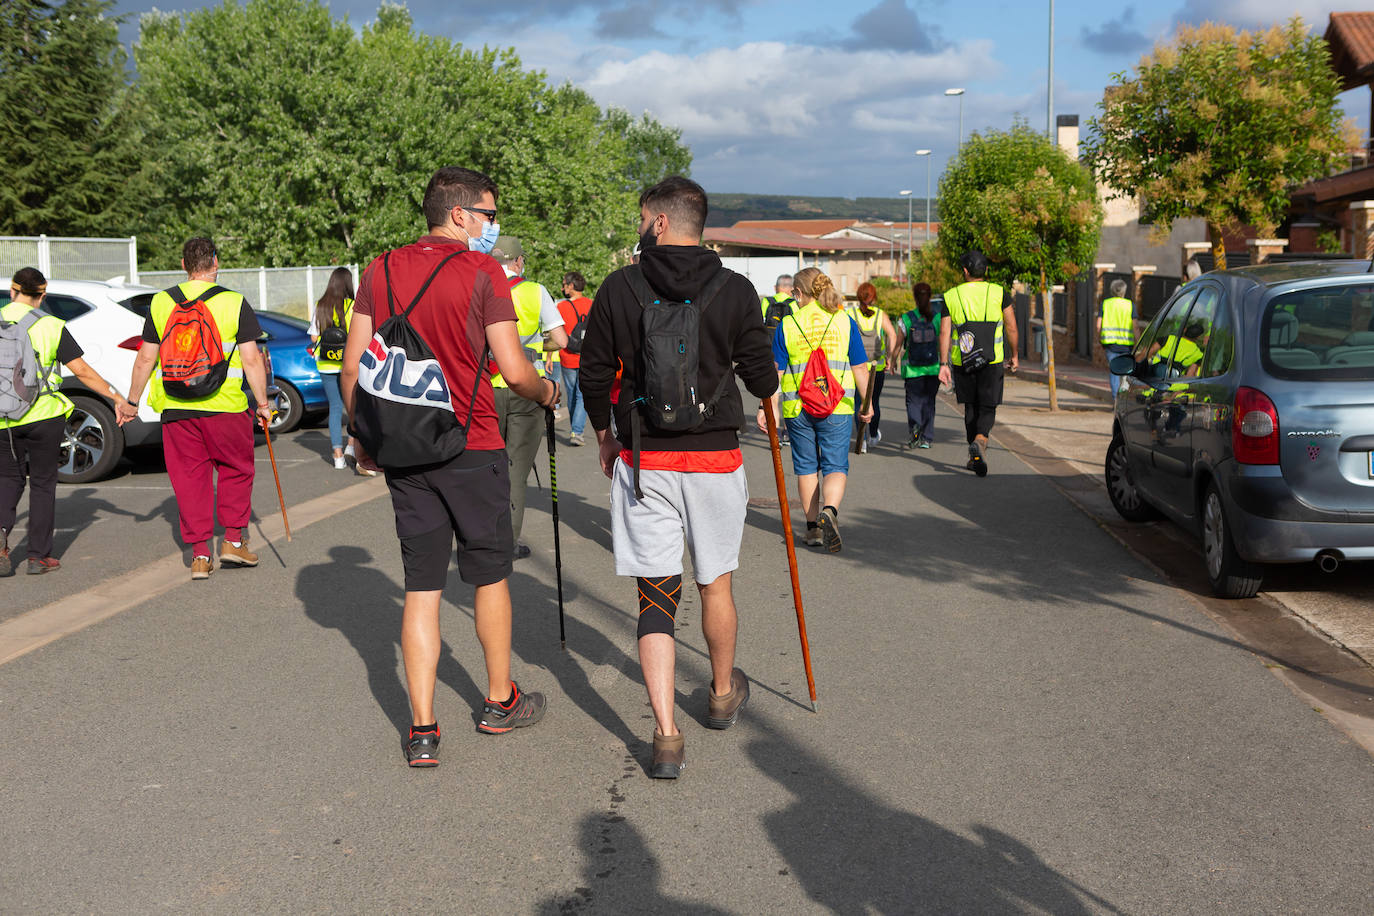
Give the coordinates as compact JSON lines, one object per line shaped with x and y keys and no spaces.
{"x":540,"y":326}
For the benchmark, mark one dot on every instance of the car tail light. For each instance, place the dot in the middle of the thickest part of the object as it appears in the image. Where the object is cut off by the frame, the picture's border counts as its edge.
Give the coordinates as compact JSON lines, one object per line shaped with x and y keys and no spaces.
{"x":1255,"y":428}
{"x":133,"y":343}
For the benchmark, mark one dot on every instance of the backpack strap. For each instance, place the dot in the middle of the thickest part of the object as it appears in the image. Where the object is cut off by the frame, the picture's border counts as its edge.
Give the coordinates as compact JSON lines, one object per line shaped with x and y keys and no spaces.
{"x":390,"y":300}
{"x":179,"y":297}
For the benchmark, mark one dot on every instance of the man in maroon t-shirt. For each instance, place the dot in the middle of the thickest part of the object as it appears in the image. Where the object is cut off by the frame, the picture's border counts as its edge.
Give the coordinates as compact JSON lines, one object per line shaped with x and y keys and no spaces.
{"x":466,"y":309}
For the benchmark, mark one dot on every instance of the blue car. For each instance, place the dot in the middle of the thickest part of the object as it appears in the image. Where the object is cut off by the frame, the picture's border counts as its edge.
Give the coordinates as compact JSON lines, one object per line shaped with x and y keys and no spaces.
{"x":302,"y":389}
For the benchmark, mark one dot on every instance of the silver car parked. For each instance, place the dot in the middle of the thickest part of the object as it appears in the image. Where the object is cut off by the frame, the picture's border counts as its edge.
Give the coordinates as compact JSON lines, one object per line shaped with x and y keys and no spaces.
{"x":1247,"y":414}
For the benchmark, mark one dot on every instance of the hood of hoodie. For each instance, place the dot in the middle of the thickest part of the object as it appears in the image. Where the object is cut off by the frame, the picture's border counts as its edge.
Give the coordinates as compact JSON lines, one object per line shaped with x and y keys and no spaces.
{"x":678,"y":271}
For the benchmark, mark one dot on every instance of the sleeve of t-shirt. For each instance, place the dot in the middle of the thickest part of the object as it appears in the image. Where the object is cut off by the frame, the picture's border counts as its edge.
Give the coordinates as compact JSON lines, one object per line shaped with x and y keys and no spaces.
{"x":67,"y":347}
{"x":362,"y":303}
{"x":492,"y":300}
{"x":150,"y":331}
{"x":549,"y":315}
{"x":780,"y":358}
{"x":249,"y":328}
{"x":314,"y":329}
{"x":858,"y":353}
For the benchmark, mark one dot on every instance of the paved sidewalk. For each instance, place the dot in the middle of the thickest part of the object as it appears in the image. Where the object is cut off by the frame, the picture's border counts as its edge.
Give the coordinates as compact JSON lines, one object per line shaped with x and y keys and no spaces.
{"x":1340,"y":605}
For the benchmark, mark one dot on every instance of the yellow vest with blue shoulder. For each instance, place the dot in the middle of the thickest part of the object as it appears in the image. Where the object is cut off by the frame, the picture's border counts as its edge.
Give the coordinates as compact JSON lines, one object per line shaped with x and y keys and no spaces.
{"x":45,"y":334}
{"x":1117,"y":327}
{"x":528,"y":304}
{"x":803,"y":331}
{"x":975,"y":301}
{"x":224,"y":307}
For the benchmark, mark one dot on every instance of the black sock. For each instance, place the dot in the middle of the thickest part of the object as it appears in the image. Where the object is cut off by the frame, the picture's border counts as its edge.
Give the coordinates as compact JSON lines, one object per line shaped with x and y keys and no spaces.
{"x":834,"y":509}
{"x":510,"y":699}
{"x":810,"y":525}
{"x":432,"y":727}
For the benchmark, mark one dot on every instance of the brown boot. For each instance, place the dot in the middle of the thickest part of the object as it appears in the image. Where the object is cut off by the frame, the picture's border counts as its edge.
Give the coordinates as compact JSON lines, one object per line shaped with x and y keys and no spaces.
{"x":237,"y":556}
{"x":724,"y":710}
{"x":670,"y":756}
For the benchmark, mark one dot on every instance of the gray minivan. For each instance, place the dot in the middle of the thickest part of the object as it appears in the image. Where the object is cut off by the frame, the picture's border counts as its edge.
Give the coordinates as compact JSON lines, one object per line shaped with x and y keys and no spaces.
{"x":1247,"y":414}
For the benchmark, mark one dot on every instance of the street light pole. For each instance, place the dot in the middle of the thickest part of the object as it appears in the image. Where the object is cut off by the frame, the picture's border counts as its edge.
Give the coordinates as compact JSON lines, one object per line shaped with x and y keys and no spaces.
{"x":926,"y":153}
{"x":1049,"y":90}
{"x":958,"y":140}
{"x":907,"y":195}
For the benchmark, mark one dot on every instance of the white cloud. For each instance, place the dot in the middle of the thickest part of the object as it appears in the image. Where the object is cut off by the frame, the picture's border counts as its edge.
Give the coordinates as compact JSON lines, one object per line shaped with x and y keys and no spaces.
{"x":1255,"y":13}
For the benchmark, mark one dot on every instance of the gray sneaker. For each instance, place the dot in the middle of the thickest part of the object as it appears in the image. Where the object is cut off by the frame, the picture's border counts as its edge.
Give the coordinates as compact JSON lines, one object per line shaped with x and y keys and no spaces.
{"x":830,"y":530}
{"x":812,"y":537}
{"x":524,"y":709}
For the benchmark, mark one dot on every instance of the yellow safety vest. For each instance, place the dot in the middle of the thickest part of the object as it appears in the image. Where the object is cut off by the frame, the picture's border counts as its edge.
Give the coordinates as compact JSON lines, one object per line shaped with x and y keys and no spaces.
{"x":875,"y":338}
{"x":45,"y":334}
{"x":804,"y":331}
{"x":528,"y":302}
{"x":225,"y":307}
{"x":329,"y":365}
{"x":1180,"y":349}
{"x":1116,"y":322}
{"x":976,"y":300}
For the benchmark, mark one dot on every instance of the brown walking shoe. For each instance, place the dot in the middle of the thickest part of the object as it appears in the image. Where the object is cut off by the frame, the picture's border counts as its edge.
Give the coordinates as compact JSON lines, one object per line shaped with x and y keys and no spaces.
{"x":40,"y":565}
{"x":201,"y":567}
{"x":670,"y":756}
{"x":237,"y":556}
{"x":724,"y":710}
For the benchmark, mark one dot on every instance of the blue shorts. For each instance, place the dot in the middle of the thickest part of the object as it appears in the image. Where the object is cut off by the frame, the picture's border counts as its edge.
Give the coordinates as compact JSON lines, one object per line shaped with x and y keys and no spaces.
{"x":822,"y":444}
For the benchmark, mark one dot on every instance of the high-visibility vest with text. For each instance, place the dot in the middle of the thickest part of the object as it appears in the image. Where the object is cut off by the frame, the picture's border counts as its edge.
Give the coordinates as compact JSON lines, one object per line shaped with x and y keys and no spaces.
{"x":805,"y":330}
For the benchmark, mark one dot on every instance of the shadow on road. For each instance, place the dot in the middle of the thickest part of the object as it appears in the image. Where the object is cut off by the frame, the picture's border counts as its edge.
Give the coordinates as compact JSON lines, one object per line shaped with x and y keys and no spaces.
{"x":855,"y":854}
{"x":365,"y":606}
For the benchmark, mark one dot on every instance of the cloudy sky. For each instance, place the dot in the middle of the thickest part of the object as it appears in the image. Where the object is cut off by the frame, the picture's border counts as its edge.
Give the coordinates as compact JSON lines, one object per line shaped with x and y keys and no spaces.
{"x":825,"y":98}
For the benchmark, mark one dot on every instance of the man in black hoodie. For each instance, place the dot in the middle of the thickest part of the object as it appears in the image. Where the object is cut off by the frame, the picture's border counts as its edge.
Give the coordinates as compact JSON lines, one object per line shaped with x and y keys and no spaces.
{"x":692,"y":481}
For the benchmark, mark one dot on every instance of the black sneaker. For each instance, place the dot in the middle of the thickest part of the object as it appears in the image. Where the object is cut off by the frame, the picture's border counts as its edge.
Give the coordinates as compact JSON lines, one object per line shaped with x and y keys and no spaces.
{"x":521,"y":551}
{"x":830,"y":530}
{"x":977,"y":459}
{"x":524,"y":710}
{"x":422,"y":748}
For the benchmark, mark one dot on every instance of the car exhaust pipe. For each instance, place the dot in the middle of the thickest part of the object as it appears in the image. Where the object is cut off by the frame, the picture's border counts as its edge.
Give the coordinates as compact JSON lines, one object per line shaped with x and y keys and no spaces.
{"x":1329,"y":560}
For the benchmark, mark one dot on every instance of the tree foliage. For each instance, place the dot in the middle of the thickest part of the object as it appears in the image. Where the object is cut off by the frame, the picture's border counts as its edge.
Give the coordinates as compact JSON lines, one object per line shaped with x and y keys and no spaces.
{"x":291,"y":138}
{"x":73,"y":139}
{"x":1020,"y":199}
{"x":931,"y":265}
{"x":1219,"y":124}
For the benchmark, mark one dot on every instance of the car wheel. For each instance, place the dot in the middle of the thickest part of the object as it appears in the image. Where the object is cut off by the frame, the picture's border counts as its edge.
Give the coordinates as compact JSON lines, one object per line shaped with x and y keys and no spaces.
{"x":1229,"y":574}
{"x":93,"y":442}
{"x":1126,"y":498}
{"x":290,"y":409}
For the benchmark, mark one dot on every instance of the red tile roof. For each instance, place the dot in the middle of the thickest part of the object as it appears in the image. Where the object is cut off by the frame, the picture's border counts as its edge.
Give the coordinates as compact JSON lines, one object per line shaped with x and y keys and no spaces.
{"x":783,"y":240}
{"x":800,"y":226}
{"x":1351,"y":37}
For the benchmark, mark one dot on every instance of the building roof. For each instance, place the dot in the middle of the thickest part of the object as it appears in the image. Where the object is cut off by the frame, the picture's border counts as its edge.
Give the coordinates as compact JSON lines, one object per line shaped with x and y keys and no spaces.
{"x":783,"y":240}
{"x":1351,"y":37}
{"x":812,"y":227}
{"x":1353,"y":185}
{"x":897,"y":231}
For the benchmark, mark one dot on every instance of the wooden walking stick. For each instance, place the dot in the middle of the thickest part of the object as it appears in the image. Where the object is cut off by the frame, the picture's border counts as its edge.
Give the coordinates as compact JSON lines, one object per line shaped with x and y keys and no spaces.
{"x":557,"y":548}
{"x":868,"y":399}
{"x":791,"y":547}
{"x":280,"y":499}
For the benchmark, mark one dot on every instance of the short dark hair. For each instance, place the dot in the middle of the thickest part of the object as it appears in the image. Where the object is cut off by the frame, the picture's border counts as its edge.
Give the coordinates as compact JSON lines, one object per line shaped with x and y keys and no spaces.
{"x":975,"y":262}
{"x":575,"y":280}
{"x":682,"y":199}
{"x":198,"y":255}
{"x":30,"y":281}
{"x":452,"y":186}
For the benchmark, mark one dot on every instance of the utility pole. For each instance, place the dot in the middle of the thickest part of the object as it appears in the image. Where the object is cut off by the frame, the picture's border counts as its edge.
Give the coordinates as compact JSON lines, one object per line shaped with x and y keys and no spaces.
{"x":1049,"y":89}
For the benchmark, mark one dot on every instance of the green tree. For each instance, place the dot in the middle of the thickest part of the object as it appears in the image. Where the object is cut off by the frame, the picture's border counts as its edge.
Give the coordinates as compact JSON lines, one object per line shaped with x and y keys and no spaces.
{"x":1030,"y":208}
{"x":295,"y":139}
{"x":73,"y":134}
{"x":1219,"y":124}
{"x":933,"y":266}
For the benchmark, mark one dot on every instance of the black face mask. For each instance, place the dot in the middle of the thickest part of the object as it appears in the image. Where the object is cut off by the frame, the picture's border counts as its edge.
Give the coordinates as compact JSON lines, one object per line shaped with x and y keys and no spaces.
{"x":648,"y":239}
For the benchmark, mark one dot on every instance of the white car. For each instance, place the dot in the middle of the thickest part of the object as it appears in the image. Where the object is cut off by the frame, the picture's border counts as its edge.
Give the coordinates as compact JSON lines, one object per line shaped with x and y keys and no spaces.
{"x":106,"y":318}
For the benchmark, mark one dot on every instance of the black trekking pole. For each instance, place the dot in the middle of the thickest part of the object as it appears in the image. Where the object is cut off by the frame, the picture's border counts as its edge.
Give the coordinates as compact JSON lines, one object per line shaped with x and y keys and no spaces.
{"x":557,"y":547}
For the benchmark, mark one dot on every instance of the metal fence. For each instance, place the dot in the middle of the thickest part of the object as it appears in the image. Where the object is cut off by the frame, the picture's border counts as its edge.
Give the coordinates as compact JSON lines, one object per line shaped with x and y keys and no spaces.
{"x":291,"y":290}
{"x":70,"y":258}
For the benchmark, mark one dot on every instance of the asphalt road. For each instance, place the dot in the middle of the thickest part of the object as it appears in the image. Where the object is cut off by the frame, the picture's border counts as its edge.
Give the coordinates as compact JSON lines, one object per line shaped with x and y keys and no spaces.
{"x":1016,"y":715}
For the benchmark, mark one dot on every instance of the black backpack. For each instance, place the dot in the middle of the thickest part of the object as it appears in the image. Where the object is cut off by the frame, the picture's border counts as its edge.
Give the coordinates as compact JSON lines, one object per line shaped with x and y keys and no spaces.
{"x":578,"y":332}
{"x":922,"y":340}
{"x":403,"y":413}
{"x":777,"y":310}
{"x":669,"y":378}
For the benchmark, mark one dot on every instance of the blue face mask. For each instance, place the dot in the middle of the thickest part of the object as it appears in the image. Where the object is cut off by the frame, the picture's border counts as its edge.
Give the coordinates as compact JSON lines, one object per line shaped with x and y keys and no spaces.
{"x":487,"y":241}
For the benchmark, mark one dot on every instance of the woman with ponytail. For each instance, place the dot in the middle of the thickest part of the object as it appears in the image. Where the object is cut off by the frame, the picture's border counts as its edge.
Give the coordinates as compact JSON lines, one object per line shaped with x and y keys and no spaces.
{"x":819,"y":419}
{"x":333,"y":310}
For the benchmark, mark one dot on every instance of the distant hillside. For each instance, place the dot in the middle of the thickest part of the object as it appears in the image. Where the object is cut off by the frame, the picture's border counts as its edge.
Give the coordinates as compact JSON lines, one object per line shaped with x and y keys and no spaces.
{"x":728,"y":209}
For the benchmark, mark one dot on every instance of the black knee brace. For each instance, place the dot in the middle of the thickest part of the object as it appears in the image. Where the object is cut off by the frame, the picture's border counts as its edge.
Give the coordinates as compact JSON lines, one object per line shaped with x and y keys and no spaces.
{"x":658,"y":600}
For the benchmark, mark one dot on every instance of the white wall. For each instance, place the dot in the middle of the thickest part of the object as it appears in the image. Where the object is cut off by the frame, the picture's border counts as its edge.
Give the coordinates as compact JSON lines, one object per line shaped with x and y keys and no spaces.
{"x":762,"y":272}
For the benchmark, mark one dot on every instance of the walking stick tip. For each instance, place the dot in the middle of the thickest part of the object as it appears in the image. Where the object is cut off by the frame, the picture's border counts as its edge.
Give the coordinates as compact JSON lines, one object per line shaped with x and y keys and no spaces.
{"x":814,"y":707}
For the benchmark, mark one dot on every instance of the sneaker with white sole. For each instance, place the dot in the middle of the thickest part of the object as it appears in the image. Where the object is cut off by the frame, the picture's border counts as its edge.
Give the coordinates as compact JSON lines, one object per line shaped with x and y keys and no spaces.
{"x":201,"y":567}
{"x":237,"y":556}
{"x":341,"y":463}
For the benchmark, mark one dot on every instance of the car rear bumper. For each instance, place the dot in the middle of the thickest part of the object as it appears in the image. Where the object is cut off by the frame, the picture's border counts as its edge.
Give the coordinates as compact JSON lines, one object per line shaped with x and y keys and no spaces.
{"x":1269,"y":525}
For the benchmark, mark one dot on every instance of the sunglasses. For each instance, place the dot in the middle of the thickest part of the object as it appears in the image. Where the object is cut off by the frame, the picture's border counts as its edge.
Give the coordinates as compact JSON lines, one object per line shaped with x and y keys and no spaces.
{"x":489,"y":214}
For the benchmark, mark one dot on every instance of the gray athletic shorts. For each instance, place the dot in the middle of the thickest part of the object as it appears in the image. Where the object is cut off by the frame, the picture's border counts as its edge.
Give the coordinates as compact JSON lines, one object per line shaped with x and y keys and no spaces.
{"x":704,"y":510}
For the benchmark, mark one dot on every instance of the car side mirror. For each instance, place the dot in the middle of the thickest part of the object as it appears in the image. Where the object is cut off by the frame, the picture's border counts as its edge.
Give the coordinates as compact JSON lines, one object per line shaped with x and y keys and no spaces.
{"x":1123,"y":364}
